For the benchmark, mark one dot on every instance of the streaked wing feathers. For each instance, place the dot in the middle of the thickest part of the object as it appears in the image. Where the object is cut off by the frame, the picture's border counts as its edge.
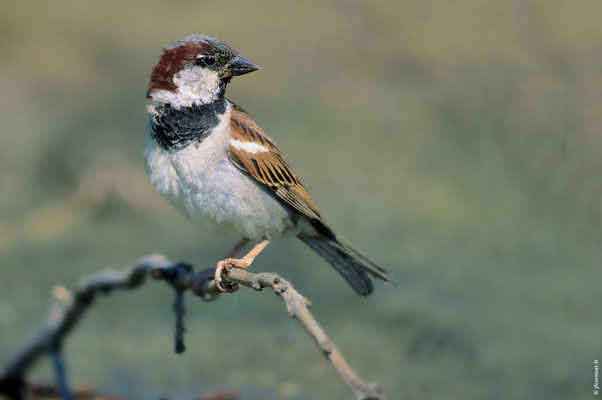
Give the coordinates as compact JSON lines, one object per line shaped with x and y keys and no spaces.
{"x":253,"y":151}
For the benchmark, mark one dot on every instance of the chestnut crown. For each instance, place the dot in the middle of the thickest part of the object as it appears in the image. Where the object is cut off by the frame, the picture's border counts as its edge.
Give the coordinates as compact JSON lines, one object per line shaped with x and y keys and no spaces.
{"x":209,"y":61}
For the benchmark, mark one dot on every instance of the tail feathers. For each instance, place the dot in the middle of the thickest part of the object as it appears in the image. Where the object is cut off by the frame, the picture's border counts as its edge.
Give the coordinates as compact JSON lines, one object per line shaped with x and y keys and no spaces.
{"x":353,"y":266}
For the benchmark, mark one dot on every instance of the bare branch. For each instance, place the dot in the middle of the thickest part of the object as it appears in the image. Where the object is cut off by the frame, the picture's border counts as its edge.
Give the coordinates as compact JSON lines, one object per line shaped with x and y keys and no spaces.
{"x":68,"y":308}
{"x":298,"y":307}
{"x":61,"y":374}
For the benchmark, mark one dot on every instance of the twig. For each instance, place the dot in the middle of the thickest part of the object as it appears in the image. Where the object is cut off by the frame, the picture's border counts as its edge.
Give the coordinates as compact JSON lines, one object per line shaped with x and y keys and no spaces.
{"x":173,"y":275}
{"x":65,"y":312}
{"x":180,"y":310}
{"x":61,"y":374}
{"x":298,"y":307}
{"x":69,"y":308}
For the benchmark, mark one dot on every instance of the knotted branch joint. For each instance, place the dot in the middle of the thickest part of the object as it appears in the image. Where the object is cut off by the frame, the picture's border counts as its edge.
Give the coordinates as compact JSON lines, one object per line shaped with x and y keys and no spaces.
{"x":68,"y":308}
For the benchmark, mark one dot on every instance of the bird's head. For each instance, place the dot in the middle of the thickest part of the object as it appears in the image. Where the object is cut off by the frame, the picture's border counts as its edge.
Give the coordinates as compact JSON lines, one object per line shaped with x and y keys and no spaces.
{"x":196,"y":70}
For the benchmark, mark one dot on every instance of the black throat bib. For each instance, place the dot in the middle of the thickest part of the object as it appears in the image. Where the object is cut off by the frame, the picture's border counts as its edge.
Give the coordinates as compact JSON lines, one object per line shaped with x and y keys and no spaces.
{"x":175,"y":128}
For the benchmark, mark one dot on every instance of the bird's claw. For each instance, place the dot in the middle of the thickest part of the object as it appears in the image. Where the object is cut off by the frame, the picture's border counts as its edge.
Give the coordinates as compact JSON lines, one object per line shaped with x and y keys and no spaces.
{"x":227,"y":265}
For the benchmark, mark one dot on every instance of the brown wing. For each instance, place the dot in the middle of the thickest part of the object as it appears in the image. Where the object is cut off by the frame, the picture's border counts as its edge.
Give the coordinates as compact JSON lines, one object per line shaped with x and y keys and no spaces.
{"x":253,"y":151}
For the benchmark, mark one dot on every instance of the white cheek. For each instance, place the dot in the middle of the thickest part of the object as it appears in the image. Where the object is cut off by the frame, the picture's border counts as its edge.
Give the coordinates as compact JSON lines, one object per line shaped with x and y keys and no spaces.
{"x":195,"y":85}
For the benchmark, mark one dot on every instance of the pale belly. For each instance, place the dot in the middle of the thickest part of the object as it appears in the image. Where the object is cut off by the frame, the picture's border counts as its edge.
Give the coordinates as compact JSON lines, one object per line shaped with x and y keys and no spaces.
{"x":205,"y":185}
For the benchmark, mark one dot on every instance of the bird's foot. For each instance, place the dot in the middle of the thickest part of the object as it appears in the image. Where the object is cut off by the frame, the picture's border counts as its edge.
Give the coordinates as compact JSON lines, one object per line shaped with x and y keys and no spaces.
{"x":243,"y":263}
{"x":226,"y":265}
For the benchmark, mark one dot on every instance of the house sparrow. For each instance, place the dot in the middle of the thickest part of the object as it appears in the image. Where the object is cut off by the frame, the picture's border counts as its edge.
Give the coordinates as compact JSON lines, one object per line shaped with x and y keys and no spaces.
{"x":215,"y":164}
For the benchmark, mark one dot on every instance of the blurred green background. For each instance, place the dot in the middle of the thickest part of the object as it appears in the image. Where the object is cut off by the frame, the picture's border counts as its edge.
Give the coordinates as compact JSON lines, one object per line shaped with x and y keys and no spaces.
{"x":456,"y":143}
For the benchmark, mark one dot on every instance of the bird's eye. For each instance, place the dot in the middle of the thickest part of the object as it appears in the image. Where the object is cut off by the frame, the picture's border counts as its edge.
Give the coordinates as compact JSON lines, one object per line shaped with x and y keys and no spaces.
{"x":208,"y":60}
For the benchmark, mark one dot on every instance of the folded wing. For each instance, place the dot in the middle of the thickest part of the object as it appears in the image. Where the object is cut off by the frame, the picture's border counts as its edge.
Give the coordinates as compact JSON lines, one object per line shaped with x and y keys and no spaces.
{"x":255,"y":153}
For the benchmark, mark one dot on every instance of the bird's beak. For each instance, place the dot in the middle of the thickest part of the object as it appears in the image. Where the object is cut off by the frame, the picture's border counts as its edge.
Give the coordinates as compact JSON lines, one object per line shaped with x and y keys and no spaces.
{"x":240,"y":66}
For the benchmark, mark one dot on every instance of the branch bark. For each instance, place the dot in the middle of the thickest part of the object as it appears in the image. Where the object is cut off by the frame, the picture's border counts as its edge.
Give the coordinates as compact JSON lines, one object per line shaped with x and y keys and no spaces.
{"x":68,"y":309}
{"x":298,"y":307}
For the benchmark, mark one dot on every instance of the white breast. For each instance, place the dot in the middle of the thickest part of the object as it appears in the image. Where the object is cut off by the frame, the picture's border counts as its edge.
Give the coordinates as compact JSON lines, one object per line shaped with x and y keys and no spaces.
{"x":202,"y":182}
